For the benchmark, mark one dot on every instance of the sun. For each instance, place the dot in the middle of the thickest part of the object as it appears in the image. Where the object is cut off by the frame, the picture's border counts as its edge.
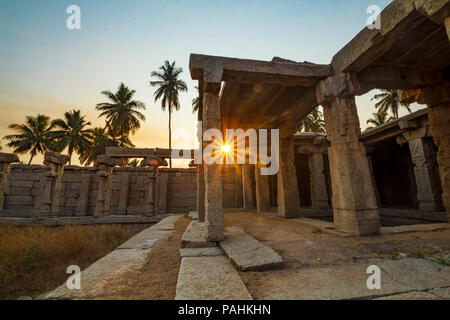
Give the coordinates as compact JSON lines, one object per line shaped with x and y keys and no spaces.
{"x":225,"y":148}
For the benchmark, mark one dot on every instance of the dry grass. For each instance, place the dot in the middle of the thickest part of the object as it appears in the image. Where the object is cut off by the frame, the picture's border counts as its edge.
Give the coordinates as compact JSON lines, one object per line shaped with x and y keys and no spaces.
{"x":33,"y":260}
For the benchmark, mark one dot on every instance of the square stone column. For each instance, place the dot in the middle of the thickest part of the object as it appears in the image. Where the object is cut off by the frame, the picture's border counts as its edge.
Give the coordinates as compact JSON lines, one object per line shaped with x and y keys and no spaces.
{"x":288,"y":194}
{"x":105,"y":165}
{"x":48,"y":203}
{"x":214,"y":226}
{"x":199,"y":164}
{"x":262,"y":191}
{"x":150,"y":199}
{"x":247,"y":186}
{"x":5,"y":166}
{"x":425,"y":169}
{"x":319,"y":195}
{"x":439,"y":118}
{"x":354,"y":203}
{"x":123,"y":196}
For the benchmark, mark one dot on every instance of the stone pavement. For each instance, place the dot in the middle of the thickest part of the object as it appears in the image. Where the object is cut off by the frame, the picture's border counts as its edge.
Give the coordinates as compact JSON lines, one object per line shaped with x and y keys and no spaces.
{"x":408,"y":278}
{"x":194,"y":236}
{"x":131,"y":255}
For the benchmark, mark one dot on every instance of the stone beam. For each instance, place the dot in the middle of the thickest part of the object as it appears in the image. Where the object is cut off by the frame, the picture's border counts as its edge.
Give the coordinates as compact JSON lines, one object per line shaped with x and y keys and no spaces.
{"x":214,"y":225}
{"x":354,"y":203}
{"x":5,"y":166}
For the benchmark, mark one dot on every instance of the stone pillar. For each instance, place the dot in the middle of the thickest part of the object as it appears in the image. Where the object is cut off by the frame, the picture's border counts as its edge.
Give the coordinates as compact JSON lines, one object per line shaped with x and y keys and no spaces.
{"x":163,"y":182}
{"x":425,"y":169}
{"x":83,"y":199}
{"x":105,"y":165}
{"x":262,"y":191}
{"x":150,"y":198}
{"x":214,"y":227}
{"x":288,"y":195}
{"x":48,"y":203}
{"x":123,"y":197}
{"x":247,"y":186}
{"x":354,"y":203}
{"x":447,"y":26}
{"x":5,"y":166}
{"x":439,"y":118}
{"x":369,"y":151}
{"x":319,"y":196}
{"x":199,"y":164}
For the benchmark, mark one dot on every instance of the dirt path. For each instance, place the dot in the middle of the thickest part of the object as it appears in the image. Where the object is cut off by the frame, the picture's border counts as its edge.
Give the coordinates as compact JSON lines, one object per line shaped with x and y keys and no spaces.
{"x":157,"y":280}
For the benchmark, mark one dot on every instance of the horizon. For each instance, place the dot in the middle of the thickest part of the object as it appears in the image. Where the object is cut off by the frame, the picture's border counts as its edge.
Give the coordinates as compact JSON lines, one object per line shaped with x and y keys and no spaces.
{"x":49,"y":69}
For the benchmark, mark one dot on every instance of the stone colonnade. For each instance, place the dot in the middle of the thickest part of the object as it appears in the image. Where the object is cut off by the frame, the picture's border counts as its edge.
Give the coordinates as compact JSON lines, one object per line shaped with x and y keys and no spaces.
{"x":5,"y":165}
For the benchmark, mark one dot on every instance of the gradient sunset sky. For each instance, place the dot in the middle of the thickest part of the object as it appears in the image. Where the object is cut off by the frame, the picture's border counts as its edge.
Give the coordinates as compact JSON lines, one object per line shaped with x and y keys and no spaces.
{"x":46,"y":68}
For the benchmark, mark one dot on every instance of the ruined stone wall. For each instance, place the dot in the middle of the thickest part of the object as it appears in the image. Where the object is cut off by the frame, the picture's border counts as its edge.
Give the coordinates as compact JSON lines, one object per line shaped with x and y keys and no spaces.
{"x":177,"y":190}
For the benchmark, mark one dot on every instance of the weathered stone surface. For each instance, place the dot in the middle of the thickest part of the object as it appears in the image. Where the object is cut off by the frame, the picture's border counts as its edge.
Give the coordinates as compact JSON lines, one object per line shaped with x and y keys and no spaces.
{"x":288,"y":195}
{"x":319,"y":196}
{"x":247,"y":186}
{"x":354,"y":202}
{"x":201,"y":252}
{"x":194,"y":236}
{"x":8,"y":158}
{"x":209,"y":278}
{"x":248,"y":253}
{"x":414,"y":295}
{"x":262,"y":191}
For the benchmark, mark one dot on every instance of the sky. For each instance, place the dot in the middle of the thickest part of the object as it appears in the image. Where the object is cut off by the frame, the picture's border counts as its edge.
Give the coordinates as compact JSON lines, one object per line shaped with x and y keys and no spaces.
{"x":47,"y":68}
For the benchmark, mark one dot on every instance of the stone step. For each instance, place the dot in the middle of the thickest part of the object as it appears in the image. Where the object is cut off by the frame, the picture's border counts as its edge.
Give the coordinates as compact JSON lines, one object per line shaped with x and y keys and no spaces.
{"x":194,"y":236}
{"x":209,"y":278}
{"x":248,"y":253}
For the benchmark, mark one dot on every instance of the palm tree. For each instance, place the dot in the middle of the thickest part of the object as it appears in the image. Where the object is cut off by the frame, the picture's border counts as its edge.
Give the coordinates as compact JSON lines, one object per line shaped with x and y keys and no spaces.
{"x":73,"y":133}
{"x":169,"y":85}
{"x":388,"y":100}
{"x":133,"y":163}
{"x":313,"y":122}
{"x":378,"y":119}
{"x":34,"y":136}
{"x":195,"y":102}
{"x":122,"y":112}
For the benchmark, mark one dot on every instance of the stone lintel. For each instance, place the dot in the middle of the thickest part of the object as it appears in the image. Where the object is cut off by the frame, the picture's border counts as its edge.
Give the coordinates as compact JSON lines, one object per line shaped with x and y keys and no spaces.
{"x":56,"y":158}
{"x":340,"y":85}
{"x":430,"y":95}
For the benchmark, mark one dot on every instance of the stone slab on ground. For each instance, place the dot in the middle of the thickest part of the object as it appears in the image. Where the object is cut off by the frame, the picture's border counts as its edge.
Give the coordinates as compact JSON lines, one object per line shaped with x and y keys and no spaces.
{"x":209,"y":278}
{"x":349,"y":281}
{"x":193,"y":215}
{"x":413,"y":295}
{"x":131,"y":255}
{"x":194,"y":236}
{"x":201,"y":252}
{"x":248,"y":253}
{"x":443,"y":293}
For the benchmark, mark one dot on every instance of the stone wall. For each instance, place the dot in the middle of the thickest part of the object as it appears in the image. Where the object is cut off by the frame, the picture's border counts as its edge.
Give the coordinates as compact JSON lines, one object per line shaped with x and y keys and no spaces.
{"x":177,"y":190}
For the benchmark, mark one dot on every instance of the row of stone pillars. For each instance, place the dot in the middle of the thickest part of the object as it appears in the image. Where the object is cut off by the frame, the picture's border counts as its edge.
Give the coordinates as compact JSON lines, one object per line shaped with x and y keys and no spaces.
{"x":50,"y":191}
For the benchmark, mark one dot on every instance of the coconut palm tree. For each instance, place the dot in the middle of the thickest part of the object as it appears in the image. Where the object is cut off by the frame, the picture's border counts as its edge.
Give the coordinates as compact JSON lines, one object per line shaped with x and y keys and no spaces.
{"x":195,"y":102}
{"x":378,"y":119}
{"x":34,"y":136}
{"x":133,"y":163}
{"x":388,"y":100}
{"x":122,"y":112}
{"x":313,"y":122}
{"x":101,"y":138}
{"x":73,"y":133}
{"x":169,"y":85}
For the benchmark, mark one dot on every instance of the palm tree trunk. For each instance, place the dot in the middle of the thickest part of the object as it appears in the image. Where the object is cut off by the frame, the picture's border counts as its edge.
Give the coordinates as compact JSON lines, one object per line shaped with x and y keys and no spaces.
{"x":31,"y":159}
{"x":170,"y":136}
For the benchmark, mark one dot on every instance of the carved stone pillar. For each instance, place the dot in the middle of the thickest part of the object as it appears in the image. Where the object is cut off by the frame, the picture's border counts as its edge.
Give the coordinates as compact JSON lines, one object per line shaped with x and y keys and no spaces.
{"x":105,"y":165}
{"x":5,"y":165}
{"x":288,"y":195}
{"x":262,"y":191}
{"x":319,"y":196}
{"x":425,"y":168}
{"x":48,"y":203}
{"x":150,"y":198}
{"x":354,"y":203}
{"x":123,"y":197}
{"x":214,"y":226}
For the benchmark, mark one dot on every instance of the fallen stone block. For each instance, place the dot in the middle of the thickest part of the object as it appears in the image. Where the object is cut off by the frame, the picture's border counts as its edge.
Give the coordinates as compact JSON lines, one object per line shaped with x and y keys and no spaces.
{"x":201,"y":252}
{"x":248,"y":253}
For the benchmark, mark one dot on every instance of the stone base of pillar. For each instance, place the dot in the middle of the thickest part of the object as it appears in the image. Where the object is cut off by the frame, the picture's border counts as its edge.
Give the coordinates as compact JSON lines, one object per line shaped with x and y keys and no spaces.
{"x":357,"y":222}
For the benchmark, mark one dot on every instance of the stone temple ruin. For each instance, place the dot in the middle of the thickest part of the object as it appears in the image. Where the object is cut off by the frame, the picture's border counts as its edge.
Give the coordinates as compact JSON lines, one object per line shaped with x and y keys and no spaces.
{"x":400,"y":170}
